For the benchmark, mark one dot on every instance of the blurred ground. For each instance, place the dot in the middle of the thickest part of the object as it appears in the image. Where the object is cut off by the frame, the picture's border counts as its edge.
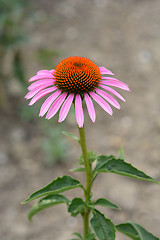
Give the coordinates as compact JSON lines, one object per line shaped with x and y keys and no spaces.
{"x":124,"y":36}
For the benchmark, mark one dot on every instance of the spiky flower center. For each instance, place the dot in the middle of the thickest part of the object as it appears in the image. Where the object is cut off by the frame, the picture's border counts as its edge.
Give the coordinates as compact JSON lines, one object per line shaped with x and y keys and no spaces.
{"x":77,"y":75}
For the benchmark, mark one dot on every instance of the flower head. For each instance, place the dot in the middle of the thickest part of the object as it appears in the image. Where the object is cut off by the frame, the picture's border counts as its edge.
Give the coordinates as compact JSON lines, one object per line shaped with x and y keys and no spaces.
{"x":74,"y":80}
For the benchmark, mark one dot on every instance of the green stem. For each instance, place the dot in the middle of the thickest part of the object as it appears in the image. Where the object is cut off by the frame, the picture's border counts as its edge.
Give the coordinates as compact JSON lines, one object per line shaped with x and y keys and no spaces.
{"x":88,"y":180}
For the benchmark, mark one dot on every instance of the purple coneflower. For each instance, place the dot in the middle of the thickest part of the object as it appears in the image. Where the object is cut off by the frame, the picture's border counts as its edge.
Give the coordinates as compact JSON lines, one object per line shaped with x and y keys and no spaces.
{"x":73,"y":80}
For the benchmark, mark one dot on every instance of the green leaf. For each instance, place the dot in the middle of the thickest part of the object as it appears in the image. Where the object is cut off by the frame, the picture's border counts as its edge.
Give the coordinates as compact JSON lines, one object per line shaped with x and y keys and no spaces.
{"x":71,"y":135}
{"x":78,"y":235}
{"x":102,"y":159}
{"x":76,"y":206}
{"x":90,"y":236}
{"x":79,"y":169}
{"x":47,"y":202}
{"x":135,"y":231}
{"x":56,"y":186}
{"x":119,"y":166}
{"x":106,"y":203}
{"x":121,"y":153}
{"x":92,"y":156}
{"x":103,"y":227}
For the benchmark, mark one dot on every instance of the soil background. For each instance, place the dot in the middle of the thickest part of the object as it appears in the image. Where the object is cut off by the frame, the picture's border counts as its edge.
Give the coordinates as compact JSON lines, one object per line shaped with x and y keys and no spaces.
{"x":124,"y":36}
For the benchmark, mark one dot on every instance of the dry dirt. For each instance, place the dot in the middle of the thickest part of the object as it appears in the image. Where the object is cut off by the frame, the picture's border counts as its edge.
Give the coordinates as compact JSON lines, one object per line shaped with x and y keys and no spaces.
{"x":123,"y":35}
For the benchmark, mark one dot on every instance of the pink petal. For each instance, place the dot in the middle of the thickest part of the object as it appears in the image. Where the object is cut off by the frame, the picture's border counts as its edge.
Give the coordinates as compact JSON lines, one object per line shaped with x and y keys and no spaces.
{"x":115,"y":80}
{"x":111,"y":78}
{"x":52,"y":70}
{"x":42,"y":94}
{"x":31,"y":93}
{"x":56,"y":105}
{"x":108,"y":97}
{"x":104,"y":70}
{"x":65,"y":107}
{"x":40,"y":82}
{"x":79,"y":110}
{"x":46,"y":105}
{"x":115,"y":84}
{"x":112,"y":91}
{"x":101,"y":102}
{"x":41,"y":76}
{"x":90,"y":107}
